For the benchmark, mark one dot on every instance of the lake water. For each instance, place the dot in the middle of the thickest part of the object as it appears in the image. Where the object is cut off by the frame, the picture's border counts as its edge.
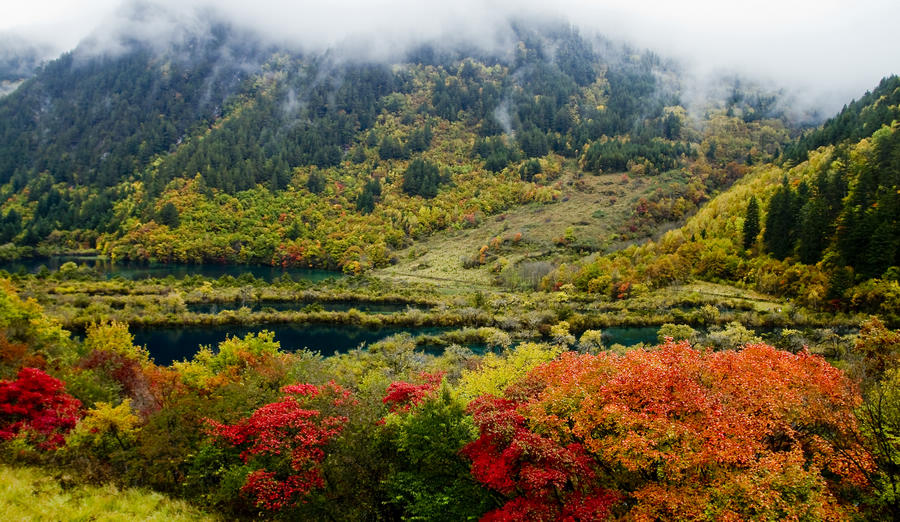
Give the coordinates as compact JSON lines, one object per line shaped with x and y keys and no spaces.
{"x":182,"y":342}
{"x":168,"y":344}
{"x":630,"y":335}
{"x":281,"y":306}
{"x":138,"y":270}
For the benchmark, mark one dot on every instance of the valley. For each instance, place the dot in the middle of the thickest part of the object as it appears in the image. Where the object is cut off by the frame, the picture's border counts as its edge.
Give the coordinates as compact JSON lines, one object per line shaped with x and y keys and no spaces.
{"x":539,"y":280}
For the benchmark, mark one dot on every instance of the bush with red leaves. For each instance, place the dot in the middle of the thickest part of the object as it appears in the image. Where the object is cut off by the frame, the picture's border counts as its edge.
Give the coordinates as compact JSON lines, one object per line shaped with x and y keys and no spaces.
{"x":545,"y":480}
{"x":35,"y":405}
{"x":285,"y":441}
{"x":402,"y":395}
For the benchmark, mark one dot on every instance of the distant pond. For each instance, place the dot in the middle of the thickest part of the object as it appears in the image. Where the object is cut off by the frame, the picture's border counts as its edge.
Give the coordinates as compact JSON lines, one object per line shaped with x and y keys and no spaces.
{"x":630,"y":335}
{"x":287,"y":306}
{"x":169,"y":344}
{"x":145,"y":270}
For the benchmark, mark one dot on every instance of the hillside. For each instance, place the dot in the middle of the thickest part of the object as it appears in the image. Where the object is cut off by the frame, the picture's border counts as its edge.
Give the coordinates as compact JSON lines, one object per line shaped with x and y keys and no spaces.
{"x":857,"y":120}
{"x":222,"y":149}
{"x":19,"y":58}
{"x":823,"y":233}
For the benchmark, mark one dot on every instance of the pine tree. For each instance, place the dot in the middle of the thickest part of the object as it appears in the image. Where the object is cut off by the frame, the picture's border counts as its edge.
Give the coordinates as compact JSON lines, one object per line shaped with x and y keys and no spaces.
{"x":365,"y":203}
{"x":781,"y":222}
{"x":168,"y":215}
{"x":751,"y":223}
{"x":421,"y":178}
{"x":316,"y":182}
{"x":812,"y":236}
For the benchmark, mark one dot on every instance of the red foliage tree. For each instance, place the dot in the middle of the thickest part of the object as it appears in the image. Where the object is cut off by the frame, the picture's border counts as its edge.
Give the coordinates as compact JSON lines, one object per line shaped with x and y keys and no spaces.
{"x":402,"y":395}
{"x":35,"y":405}
{"x":545,"y":479}
{"x":286,"y":441}
{"x":680,"y":434}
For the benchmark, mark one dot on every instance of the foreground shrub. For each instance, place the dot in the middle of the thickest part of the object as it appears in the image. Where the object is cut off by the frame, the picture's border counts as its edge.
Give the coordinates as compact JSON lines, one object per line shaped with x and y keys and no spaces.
{"x":36,"y":407}
{"x":674,"y":433}
{"x":283,"y":444}
{"x":428,"y":479}
{"x":545,"y":479}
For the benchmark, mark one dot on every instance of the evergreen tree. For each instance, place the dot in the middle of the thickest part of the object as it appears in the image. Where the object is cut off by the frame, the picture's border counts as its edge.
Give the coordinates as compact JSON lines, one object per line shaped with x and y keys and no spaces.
{"x":358,"y":155}
{"x":316,"y":182}
{"x":365,"y":203}
{"x":812,"y":236}
{"x":533,"y":143}
{"x":168,"y":215}
{"x":419,"y":140}
{"x":529,"y":169}
{"x":839,"y":281}
{"x":295,"y":231}
{"x":11,"y":226}
{"x":421,"y":178}
{"x":780,"y":222}
{"x":882,"y":251}
{"x":751,"y":223}
{"x":390,"y":148}
{"x":672,"y":127}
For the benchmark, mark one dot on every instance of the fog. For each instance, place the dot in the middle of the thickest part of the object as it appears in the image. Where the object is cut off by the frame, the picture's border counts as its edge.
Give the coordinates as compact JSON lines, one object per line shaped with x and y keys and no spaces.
{"x":824,"y":51}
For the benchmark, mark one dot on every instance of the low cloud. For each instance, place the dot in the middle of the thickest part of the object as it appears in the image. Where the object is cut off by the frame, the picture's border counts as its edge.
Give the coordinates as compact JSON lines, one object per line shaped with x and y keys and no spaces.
{"x":826,"y":51}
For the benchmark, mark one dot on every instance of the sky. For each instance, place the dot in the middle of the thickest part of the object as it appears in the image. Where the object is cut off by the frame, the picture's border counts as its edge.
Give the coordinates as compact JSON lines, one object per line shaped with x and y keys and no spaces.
{"x":831,"y":50}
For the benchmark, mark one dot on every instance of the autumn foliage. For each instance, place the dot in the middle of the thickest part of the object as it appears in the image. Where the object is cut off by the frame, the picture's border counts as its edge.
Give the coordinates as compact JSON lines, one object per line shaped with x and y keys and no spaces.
{"x":285,"y":442}
{"x":677,"y":433}
{"x":36,"y":406}
{"x":545,"y":479}
{"x":402,"y":395}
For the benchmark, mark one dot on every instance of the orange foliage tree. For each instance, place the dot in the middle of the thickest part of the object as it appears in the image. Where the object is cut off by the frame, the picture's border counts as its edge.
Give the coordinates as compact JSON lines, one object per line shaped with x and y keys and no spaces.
{"x":676,"y":434}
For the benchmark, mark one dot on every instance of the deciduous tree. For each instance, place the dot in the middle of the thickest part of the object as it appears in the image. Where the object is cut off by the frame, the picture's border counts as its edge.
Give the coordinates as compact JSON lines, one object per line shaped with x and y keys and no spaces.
{"x":283,"y":444}
{"x":36,"y":406}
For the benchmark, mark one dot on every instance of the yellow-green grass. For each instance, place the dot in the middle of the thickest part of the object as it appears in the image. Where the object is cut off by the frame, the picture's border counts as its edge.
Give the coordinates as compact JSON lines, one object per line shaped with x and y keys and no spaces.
{"x":592,"y":207}
{"x":28,"y":494}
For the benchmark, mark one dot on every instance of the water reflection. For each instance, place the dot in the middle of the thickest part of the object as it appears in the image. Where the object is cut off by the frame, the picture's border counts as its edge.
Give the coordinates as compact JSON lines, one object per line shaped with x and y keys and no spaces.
{"x":304,"y":306}
{"x":138,"y":270}
{"x":182,"y":342}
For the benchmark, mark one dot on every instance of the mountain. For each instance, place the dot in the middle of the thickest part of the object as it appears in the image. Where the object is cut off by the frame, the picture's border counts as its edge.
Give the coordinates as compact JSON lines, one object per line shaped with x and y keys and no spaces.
{"x":19,"y":59}
{"x":857,"y":120}
{"x":828,"y":232}
{"x":220,"y":148}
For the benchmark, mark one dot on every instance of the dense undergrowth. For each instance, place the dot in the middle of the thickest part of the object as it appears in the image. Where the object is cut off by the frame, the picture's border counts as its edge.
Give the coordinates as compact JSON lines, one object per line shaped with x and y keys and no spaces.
{"x":543,"y":430}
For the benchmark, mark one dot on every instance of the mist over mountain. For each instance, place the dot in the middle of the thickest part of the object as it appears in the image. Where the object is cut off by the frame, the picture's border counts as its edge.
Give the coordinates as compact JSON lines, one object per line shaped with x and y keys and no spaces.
{"x":19,"y":58}
{"x":119,"y":82}
{"x":99,"y":140}
{"x":222,"y":105}
{"x":823,"y":53}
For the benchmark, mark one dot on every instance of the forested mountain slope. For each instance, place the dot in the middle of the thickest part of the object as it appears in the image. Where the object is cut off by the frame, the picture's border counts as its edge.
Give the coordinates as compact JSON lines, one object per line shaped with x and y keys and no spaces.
{"x":19,"y":58}
{"x":222,"y":149}
{"x":826,"y":232}
{"x":857,"y":120}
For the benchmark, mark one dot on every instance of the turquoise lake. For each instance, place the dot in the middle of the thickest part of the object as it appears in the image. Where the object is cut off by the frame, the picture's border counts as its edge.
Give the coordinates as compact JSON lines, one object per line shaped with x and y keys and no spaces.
{"x":136,"y":270}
